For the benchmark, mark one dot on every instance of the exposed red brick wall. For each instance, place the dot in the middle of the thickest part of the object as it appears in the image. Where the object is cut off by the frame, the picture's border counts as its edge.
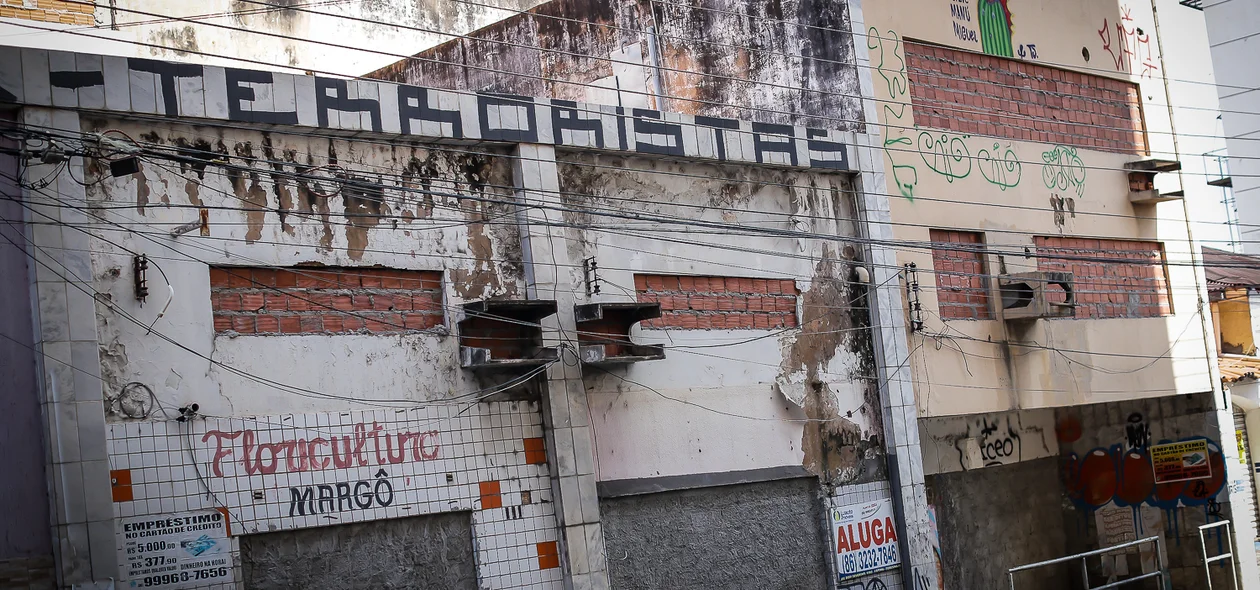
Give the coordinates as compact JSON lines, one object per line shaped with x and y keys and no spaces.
{"x":981,"y":94}
{"x":731,"y":303}
{"x":1114,"y":278}
{"x":53,"y":11}
{"x":961,"y":289}
{"x":324,"y":301}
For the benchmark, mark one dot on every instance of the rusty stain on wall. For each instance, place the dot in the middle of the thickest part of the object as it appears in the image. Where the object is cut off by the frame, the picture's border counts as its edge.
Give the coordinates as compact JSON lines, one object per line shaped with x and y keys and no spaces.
{"x":279,"y":184}
{"x":270,"y":186}
{"x":142,"y":190}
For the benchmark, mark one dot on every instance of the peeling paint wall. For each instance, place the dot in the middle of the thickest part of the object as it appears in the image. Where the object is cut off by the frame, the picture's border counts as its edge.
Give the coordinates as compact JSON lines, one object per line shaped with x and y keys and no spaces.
{"x":448,"y":219}
{"x":709,"y":53}
{"x":344,"y":38}
{"x":804,"y":398}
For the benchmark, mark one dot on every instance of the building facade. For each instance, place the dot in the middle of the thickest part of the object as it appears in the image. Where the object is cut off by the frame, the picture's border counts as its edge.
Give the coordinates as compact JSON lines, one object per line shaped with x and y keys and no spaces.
{"x":604,"y":294}
{"x":328,"y":37}
{"x":1040,"y":436}
{"x":300,"y":331}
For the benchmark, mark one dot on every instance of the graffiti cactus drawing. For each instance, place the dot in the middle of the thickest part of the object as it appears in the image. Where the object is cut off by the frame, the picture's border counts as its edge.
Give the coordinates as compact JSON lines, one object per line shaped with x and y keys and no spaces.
{"x":996,"y":27}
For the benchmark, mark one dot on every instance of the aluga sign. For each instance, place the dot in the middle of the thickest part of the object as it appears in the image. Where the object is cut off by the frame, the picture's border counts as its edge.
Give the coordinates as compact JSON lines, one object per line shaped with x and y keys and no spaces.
{"x":865,"y":537}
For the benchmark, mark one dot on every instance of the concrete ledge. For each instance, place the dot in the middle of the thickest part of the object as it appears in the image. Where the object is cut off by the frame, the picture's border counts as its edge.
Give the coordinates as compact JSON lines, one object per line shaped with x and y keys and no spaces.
{"x":671,"y":483}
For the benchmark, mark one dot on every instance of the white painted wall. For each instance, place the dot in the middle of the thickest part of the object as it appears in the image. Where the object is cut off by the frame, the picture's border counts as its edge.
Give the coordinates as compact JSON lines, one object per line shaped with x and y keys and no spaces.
{"x":1191,"y":86}
{"x":272,"y":39}
{"x":409,"y":367}
{"x":716,"y":409}
{"x":1233,"y":29}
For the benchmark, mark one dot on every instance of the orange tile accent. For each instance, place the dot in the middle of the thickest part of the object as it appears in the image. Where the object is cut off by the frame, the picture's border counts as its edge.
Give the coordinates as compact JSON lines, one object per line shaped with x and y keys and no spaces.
{"x":535,"y":451}
{"x":120,"y":485}
{"x":491,"y":496}
{"x":548,"y":555}
{"x":227,"y":520}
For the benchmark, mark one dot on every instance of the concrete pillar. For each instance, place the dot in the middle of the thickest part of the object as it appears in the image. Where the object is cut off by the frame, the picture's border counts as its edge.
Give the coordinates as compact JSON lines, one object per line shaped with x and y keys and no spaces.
{"x":551,"y":274}
{"x":901,"y":425}
{"x":69,"y":367}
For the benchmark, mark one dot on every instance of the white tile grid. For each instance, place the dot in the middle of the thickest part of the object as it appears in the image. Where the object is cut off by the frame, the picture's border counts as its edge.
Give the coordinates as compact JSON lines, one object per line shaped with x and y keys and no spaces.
{"x":165,"y":479}
{"x":507,"y":554}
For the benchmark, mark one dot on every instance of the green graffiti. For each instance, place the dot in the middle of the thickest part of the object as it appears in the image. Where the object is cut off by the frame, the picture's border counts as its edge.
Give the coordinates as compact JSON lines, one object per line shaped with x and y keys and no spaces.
{"x":1000,"y":168}
{"x":1063,"y":170}
{"x":905,"y":176}
{"x":945,"y":154}
{"x":894,"y":76}
{"x":996,"y":27}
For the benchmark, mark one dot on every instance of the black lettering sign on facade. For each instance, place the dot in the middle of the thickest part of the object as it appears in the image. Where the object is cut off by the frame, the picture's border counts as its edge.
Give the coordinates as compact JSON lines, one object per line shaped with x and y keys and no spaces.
{"x":504,"y":103}
{"x":413,"y":104}
{"x":76,"y":80}
{"x":763,"y":145}
{"x":167,"y":72}
{"x":564,"y":115}
{"x":841,"y":162}
{"x":341,"y":496}
{"x":238,"y":92}
{"x":339,"y":101}
{"x":644,"y":125}
{"x":718,"y":124}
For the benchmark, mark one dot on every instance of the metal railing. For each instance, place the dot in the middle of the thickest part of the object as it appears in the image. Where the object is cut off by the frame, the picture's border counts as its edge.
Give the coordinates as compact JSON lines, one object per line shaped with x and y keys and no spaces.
{"x":1208,"y":561}
{"x":1159,"y":564}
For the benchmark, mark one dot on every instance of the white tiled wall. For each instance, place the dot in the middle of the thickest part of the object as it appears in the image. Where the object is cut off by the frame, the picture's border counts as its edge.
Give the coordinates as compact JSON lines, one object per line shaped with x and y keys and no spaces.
{"x":172,"y":468}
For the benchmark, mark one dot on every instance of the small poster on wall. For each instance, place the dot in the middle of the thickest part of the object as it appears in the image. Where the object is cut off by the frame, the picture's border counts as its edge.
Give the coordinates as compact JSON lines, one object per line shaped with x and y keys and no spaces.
{"x":865,"y":537}
{"x":1181,"y":461}
{"x":189,"y":550}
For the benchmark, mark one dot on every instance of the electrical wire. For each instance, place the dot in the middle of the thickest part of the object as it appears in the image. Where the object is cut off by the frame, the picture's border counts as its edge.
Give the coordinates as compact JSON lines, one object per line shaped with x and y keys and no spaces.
{"x":795,"y":187}
{"x":725,"y":358}
{"x":531,"y":76}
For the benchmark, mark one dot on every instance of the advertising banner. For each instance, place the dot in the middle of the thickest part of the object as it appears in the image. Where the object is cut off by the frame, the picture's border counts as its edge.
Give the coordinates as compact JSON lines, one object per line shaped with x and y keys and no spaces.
{"x":865,"y":537}
{"x":185,"y":550}
{"x":1181,"y":461}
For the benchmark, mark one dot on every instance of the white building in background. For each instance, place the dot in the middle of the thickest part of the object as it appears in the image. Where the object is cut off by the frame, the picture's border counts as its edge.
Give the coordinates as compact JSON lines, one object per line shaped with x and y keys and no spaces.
{"x":342,"y":37}
{"x":1190,"y":85}
{"x":1233,"y":28}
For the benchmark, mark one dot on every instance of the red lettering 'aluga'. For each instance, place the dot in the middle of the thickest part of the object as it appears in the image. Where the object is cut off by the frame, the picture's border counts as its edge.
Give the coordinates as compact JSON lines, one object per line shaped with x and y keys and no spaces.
{"x":864,"y":533}
{"x":842,"y":540}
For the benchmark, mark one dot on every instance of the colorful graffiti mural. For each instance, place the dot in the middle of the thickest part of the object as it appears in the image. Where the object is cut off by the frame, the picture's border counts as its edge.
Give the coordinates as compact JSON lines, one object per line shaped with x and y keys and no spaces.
{"x":1127,"y":478}
{"x":996,"y":27}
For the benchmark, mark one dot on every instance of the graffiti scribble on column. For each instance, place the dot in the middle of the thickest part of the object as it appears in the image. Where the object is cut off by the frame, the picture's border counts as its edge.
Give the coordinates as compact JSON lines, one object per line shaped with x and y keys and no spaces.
{"x":945,"y":154}
{"x":1000,"y":167}
{"x":1063,"y":170}
{"x":905,"y":176}
{"x":1129,"y":45}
